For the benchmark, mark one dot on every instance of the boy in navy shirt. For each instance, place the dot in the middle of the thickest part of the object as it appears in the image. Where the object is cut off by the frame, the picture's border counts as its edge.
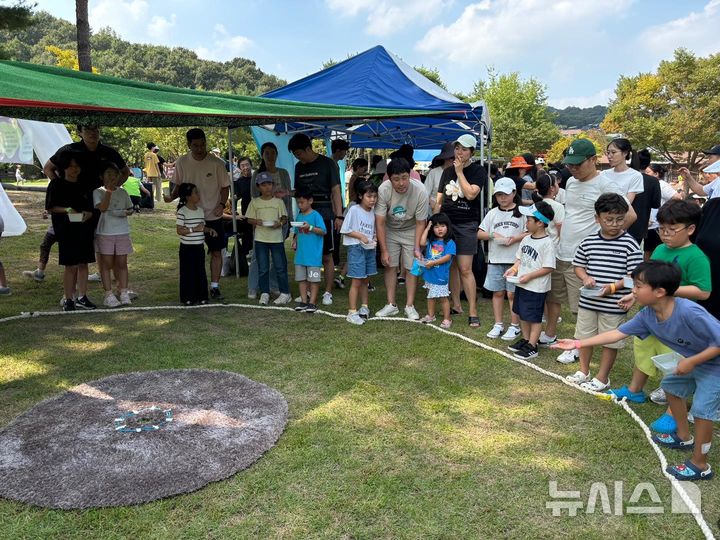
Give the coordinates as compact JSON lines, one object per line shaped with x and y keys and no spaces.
{"x":688,"y":329}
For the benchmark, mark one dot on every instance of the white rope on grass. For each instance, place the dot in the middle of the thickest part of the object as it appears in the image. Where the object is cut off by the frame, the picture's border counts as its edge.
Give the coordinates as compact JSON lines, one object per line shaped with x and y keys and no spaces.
{"x":675,"y":483}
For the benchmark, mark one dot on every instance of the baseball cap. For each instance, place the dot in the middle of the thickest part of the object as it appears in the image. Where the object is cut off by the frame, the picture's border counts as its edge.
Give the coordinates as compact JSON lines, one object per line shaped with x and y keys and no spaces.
{"x":263,"y":178}
{"x":715,"y":150}
{"x":579,"y":151}
{"x":532,"y":211}
{"x":468,"y":141}
{"x":712,"y":168}
{"x":448,"y":151}
{"x":504,"y":185}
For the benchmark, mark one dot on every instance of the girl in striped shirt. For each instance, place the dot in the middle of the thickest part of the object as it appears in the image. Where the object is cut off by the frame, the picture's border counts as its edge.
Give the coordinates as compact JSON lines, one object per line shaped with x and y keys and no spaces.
{"x":190,"y":225}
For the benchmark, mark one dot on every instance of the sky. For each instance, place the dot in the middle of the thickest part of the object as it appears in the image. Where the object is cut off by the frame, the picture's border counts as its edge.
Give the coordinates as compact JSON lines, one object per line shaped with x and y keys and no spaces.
{"x":578,"y":48}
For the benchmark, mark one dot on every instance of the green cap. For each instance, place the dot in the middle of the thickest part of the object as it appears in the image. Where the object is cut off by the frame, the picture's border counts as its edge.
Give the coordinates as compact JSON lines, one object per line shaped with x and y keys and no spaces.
{"x":579,"y":151}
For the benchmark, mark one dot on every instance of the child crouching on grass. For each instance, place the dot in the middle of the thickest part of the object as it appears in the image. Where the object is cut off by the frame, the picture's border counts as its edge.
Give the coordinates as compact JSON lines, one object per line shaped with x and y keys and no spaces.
{"x":534,"y":262}
{"x":308,"y":243}
{"x":689,"y":330}
{"x":359,"y":239}
{"x":437,"y":239}
{"x":190,"y":225}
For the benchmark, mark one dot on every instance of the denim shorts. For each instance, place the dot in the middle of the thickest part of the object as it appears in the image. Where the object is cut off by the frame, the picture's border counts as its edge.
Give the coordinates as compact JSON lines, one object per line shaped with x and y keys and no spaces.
{"x":361,"y":262}
{"x":704,"y":387}
{"x":494,"y":280}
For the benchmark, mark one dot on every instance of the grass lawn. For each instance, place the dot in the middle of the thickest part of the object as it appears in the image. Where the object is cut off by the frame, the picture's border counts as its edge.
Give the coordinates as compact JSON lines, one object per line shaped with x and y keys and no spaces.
{"x":395,"y":430}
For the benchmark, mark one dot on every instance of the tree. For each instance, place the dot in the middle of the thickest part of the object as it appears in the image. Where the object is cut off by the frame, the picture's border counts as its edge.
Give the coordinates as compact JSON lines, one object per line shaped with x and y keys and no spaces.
{"x":65,"y":58}
{"x":518,"y":108}
{"x":83,"y":35}
{"x":672,"y":111}
{"x":431,"y":73}
{"x":598,"y":138}
{"x":17,"y":16}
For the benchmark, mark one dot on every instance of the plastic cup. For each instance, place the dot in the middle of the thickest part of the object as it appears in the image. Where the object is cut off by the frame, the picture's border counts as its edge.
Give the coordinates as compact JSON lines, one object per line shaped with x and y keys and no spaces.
{"x":75,"y":217}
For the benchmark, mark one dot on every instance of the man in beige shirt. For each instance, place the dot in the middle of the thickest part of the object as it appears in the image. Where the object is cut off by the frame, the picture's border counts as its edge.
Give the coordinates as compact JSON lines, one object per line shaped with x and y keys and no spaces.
{"x":208,"y":174}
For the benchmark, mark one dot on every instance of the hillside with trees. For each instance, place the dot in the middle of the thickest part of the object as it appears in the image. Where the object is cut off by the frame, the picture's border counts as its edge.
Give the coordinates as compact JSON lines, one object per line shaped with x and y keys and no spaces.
{"x":577,"y":117}
{"x":112,"y":55}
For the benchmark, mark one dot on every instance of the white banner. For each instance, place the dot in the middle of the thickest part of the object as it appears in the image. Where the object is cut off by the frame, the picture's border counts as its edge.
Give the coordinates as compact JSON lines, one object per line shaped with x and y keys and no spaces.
{"x":19,"y":138}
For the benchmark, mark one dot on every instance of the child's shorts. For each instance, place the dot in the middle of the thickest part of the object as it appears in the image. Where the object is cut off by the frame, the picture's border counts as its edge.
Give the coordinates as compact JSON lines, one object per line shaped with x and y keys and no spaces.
{"x":361,"y":262}
{"x":437,"y":291}
{"x":307,"y":273}
{"x":591,"y":323}
{"x":644,"y":350}
{"x":494,"y":279}
{"x":116,"y":244}
{"x":529,"y":305}
{"x":703,"y":384}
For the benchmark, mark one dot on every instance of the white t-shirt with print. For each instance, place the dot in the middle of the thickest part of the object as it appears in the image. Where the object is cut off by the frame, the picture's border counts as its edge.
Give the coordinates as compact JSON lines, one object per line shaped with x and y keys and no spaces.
{"x":505,"y":223}
{"x":535,"y":253}
{"x":358,"y":220}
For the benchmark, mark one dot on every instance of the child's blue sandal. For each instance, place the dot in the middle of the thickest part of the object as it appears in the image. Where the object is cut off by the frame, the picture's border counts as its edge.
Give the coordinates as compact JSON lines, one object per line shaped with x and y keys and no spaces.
{"x":665,"y":424}
{"x":671,"y":440}
{"x":689,"y":471}
{"x":624,"y":392}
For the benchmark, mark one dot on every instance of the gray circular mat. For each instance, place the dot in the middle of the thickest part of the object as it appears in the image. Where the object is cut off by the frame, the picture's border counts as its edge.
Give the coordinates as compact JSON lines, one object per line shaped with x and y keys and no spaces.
{"x":66,"y":452}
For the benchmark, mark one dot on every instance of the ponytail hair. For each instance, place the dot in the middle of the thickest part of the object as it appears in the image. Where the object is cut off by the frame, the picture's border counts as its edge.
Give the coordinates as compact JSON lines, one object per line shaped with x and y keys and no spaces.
{"x":543,"y":185}
{"x":624,"y":146}
{"x":184,"y":191}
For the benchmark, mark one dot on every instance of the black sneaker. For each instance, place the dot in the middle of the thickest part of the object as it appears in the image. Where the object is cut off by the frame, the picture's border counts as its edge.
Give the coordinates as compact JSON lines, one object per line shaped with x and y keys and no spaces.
{"x":68,"y":305}
{"x":340,"y":282}
{"x":401,"y":281}
{"x":84,"y":303}
{"x":527,"y":352}
{"x":371,"y":287}
{"x":310,"y":308}
{"x":518,"y":345}
{"x":301,"y":307}
{"x":215,"y":294}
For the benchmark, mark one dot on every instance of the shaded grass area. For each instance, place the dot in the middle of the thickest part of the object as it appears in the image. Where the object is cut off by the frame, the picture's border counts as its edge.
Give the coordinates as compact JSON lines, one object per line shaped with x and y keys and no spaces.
{"x":395,"y":431}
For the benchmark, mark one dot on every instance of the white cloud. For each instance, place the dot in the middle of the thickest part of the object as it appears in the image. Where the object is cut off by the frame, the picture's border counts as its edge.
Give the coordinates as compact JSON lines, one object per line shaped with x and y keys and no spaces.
{"x":491,"y":32}
{"x":225,"y":47}
{"x":385,"y":16}
{"x":133,"y":20}
{"x":696,"y":31}
{"x":598,"y":98}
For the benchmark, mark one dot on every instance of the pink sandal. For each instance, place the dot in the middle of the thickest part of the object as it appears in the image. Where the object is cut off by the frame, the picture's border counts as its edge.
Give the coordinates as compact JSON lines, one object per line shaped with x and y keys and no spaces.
{"x":447,"y":323}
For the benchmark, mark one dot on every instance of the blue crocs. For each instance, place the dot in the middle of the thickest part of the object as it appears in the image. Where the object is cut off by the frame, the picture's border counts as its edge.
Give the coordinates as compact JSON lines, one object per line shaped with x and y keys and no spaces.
{"x":664,"y":424}
{"x":671,"y":440}
{"x":624,"y":392}
{"x":689,"y":471}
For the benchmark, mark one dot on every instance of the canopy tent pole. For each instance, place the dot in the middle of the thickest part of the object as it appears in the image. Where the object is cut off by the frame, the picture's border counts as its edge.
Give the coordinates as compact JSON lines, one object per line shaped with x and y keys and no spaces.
{"x":236,"y":249}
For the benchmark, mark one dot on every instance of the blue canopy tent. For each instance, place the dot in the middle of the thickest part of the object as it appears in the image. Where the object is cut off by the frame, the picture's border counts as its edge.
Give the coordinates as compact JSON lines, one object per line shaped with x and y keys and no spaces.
{"x":378,"y":78}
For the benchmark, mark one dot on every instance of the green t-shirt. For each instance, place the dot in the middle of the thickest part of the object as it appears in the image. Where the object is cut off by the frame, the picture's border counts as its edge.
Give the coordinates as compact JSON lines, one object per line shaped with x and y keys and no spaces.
{"x":693,"y":263}
{"x":132,"y":186}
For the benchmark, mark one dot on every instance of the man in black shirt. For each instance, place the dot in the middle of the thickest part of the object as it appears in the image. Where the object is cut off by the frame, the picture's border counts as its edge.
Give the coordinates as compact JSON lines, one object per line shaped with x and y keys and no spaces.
{"x":320,"y":176}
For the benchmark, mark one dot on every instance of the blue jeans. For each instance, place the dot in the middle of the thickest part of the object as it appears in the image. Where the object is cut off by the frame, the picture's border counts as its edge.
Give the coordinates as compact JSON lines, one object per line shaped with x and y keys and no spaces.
{"x":254,"y":277}
{"x":263,"y":252}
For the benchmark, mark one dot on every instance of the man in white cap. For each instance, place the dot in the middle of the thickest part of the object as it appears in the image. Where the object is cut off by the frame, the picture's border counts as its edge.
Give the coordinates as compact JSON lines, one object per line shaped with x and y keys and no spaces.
{"x":712,"y":189}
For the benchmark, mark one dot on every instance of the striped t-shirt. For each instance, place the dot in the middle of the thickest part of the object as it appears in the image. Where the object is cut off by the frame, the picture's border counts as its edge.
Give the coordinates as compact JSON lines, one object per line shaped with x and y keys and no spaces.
{"x":607,"y":260}
{"x":191,"y":218}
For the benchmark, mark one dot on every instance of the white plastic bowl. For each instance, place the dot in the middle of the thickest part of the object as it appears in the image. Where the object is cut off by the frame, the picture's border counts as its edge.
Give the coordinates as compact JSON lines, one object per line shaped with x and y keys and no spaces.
{"x":75,"y":217}
{"x":591,"y":292}
{"x":628,"y":282}
{"x":513,"y":279}
{"x":267,"y":223}
{"x":369,"y":245}
{"x":296,"y":223}
{"x":667,"y":362}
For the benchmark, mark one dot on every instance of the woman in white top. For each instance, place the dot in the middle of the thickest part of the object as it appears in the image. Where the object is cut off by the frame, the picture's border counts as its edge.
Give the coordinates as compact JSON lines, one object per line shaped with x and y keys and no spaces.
{"x":618,"y":153}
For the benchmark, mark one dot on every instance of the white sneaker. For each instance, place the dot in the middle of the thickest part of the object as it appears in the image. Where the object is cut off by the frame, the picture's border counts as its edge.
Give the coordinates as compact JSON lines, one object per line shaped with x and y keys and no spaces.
{"x":264,"y":299}
{"x":326,"y":299}
{"x":411,"y":313}
{"x":355,"y":318}
{"x":546,"y":340}
{"x":111,"y":301}
{"x":658,"y":396}
{"x":596,"y":385}
{"x":364,"y":312}
{"x":496,"y":331}
{"x":125,"y":298}
{"x":568,"y":357}
{"x":94,"y":277}
{"x":513,"y":332}
{"x":388,"y":311}
{"x":578,"y":377}
{"x":283,"y":299}
{"x":252,"y":294}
